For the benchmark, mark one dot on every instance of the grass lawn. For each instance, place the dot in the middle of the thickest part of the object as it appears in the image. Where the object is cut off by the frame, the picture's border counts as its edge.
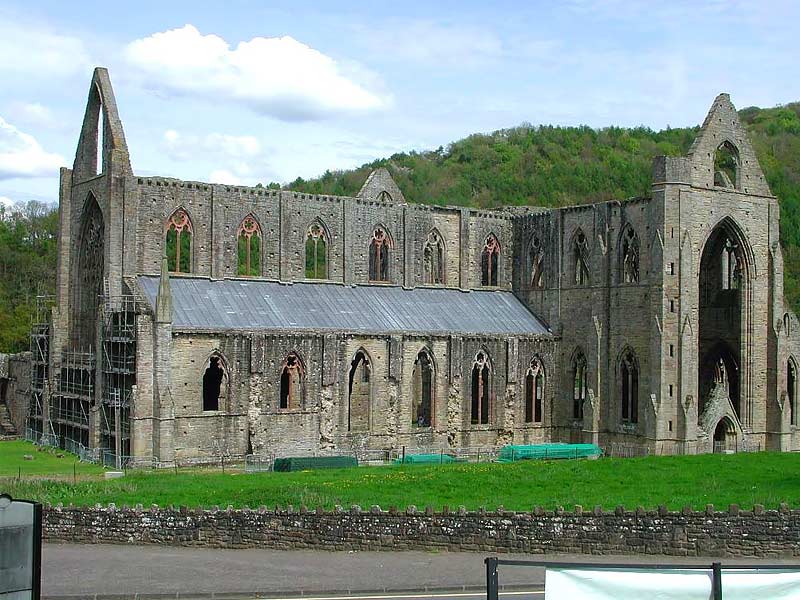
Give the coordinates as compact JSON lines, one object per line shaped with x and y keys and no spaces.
{"x":676,"y":481}
{"x":45,"y":461}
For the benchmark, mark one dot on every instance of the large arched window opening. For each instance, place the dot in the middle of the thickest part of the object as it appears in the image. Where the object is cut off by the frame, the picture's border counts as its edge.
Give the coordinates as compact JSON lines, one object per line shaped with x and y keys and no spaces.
{"x":580,"y":382}
{"x":433,"y":259}
{"x":534,"y":392}
{"x":379,"y":255}
{"x":791,"y":389}
{"x":249,"y":247}
{"x":580,"y":258}
{"x":90,"y":274}
{"x":723,"y":285}
{"x":481,"y":390}
{"x":536,"y":262}
{"x":359,"y":392}
{"x":490,"y":261}
{"x":292,"y":380}
{"x":214,"y":380}
{"x":726,"y":166}
{"x":629,"y":256}
{"x":629,"y":386}
{"x":316,"y":252}
{"x":424,"y":384}
{"x":178,"y":233}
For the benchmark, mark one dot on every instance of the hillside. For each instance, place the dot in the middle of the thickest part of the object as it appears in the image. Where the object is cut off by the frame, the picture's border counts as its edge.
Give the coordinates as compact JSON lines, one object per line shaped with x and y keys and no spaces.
{"x":559,"y":166}
{"x":542,"y":165}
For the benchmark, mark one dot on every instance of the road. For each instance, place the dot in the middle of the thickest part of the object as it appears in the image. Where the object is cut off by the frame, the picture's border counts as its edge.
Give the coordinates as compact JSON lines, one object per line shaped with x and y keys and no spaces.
{"x":81,"y":570}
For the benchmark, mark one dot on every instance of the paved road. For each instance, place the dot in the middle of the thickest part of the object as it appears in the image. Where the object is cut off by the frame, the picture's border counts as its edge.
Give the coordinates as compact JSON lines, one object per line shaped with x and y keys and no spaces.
{"x":88,"y":570}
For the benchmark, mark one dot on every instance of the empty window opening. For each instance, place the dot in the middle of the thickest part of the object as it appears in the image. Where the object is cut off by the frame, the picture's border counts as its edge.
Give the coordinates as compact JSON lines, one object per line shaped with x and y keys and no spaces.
{"x":726,"y":166}
{"x":481,"y":386}
{"x":534,"y":392}
{"x":671,"y":350}
{"x":316,"y":253}
{"x":670,"y":390}
{"x":379,"y":255}
{"x":791,"y":389}
{"x":536,"y":259}
{"x":249,"y":247}
{"x":212,"y":384}
{"x":178,"y":234}
{"x":629,"y":375}
{"x":672,"y":268}
{"x":629,"y":256}
{"x":731,"y":269}
{"x":360,"y":393}
{"x":433,"y":259}
{"x":580,"y":252}
{"x":670,"y":425}
{"x":787,"y":324}
{"x":672,"y":306}
{"x":579,"y":385}
{"x":490,"y":259}
{"x":423,"y":380}
{"x":291,"y":396}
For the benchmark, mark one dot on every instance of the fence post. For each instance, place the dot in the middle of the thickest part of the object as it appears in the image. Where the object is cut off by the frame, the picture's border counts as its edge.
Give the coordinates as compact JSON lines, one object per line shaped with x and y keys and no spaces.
{"x":491,"y":578}
{"x":716,"y":581}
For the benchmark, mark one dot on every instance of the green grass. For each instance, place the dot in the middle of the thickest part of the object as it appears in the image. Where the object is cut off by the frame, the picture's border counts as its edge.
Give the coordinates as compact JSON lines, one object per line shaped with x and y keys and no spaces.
{"x":46,"y":461}
{"x":744,"y":479}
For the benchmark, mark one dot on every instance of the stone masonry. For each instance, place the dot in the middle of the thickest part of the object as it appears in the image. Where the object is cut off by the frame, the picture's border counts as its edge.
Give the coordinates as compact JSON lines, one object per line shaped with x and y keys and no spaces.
{"x":663,"y":323}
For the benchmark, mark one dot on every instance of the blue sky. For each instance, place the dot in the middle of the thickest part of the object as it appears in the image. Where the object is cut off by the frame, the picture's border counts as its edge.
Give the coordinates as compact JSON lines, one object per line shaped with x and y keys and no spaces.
{"x":246,"y":92}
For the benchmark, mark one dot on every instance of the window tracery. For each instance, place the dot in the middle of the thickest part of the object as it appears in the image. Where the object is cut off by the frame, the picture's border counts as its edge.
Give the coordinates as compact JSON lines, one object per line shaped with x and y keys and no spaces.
{"x":536,"y":259}
{"x":490,"y":261}
{"x":630,"y":256}
{"x":481,"y":389}
{"x":316,"y":253}
{"x":379,"y":254}
{"x":433,"y":259}
{"x":580,"y":250}
{"x":179,"y":242}
{"x":534,"y":392}
{"x":249,"y":247}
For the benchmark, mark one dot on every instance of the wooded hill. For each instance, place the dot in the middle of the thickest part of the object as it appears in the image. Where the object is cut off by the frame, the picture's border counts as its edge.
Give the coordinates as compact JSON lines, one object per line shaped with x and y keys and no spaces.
{"x":539,"y":165}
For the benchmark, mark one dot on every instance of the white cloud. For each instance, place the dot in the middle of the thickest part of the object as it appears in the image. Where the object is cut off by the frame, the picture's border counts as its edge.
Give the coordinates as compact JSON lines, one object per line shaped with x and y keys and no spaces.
{"x":33,"y":113}
{"x":6,"y":202}
{"x":181,"y":146}
{"x":37,"y":51}
{"x":224,"y":177}
{"x":280,"y":77}
{"x":22,"y":156}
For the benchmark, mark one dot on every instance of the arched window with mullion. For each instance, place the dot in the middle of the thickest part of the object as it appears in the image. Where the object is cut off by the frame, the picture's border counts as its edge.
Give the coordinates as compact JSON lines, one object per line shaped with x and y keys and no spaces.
{"x":316,"y":252}
{"x":249,"y":247}
{"x":178,"y":233}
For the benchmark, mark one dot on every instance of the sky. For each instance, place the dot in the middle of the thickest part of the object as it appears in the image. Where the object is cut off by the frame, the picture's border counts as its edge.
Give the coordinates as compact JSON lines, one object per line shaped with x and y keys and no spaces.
{"x":242,"y":92}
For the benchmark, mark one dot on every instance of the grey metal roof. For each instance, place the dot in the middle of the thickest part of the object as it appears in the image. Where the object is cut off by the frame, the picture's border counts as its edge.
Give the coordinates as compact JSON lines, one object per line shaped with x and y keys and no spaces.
{"x":203,"y":304}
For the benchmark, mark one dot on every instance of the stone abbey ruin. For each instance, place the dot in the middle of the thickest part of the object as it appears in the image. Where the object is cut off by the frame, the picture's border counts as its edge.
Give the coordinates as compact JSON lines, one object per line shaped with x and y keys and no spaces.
{"x":192,"y":317}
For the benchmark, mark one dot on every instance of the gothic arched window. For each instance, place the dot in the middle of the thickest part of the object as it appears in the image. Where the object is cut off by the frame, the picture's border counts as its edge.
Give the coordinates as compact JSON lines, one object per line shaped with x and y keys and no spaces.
{"x":433,"y":259}
{"x":424,"y":381}
{"x":316,"y":253}
{"x":629,"y":380}
{"x":629,"y":256}
{"x":249,"y":247}
{"x":359,"y":393}
{"x":580,"y":256}
{"x":490,"y":258}
{"x":731,"y":265}
{"x":292,"y":378}
{"x":579,"y":384}
{"x":481,"y":389}
{"x":213,"y":383}
{"x":534,"y":392}
{"x":379,"y":255}
{"x":791,"y":389}
{"x":178,"y":233}
{"x":536,"y":259}
{"x":726,"y":166}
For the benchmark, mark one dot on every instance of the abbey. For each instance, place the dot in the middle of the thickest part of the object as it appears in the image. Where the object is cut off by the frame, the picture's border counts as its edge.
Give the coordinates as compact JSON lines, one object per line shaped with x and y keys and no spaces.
{"x":192,"y":317}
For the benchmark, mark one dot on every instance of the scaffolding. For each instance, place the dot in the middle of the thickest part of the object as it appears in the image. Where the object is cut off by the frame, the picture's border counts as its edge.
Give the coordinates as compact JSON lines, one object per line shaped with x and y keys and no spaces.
{"x":40,"y":359}
{"x":119,"y":375}
{"x":73,"y":397}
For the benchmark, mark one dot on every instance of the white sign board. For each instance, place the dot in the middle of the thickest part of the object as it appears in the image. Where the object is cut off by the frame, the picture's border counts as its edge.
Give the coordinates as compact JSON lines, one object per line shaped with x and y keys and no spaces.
{"x":669,"y":584}
{"x":20,"y":549}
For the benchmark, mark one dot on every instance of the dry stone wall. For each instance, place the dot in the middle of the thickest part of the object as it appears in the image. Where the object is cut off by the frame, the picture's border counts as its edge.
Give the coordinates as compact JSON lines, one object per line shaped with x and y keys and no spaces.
{"x":758,"y":533}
